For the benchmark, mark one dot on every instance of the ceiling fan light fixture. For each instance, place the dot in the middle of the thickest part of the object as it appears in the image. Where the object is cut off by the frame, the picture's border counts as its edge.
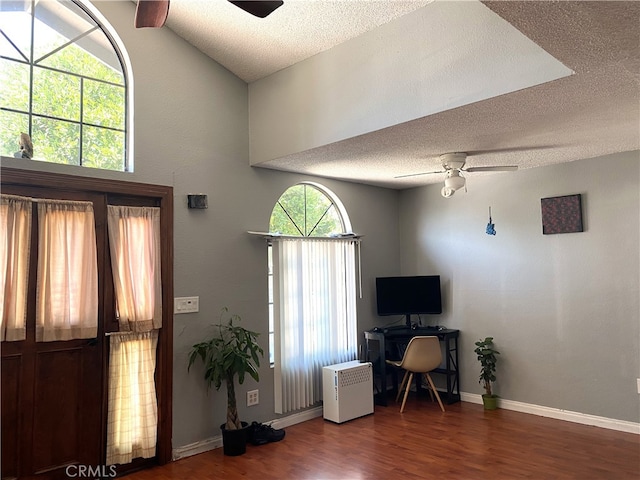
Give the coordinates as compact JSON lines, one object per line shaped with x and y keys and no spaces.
{"x":454,"y":180}
{"x":447,"y":192}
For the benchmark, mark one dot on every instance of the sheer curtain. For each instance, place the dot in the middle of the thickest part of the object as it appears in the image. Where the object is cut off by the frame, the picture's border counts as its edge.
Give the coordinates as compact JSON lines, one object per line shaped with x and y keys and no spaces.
{"x":15,"y":244}
{"x":134,"y":240}
{"x":133,"y":411}
{"x":315,"y":315}
{"x":67,"y":286}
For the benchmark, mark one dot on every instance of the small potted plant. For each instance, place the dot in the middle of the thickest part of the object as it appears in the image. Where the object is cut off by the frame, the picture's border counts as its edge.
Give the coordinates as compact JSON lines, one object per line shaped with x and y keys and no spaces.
{"x":231,"y":352}
{"x":487,"y":357}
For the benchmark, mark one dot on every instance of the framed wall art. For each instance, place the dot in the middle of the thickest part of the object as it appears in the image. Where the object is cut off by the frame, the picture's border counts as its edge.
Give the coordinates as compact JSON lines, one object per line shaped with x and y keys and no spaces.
{"x":562,"y":214}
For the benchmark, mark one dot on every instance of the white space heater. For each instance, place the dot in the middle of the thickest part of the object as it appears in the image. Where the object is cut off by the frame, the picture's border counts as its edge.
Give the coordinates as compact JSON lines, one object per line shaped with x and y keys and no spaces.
{"x":347,"y":391}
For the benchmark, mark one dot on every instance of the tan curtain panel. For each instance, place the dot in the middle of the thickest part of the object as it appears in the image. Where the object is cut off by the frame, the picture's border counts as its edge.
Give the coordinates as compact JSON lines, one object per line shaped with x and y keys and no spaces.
{"x":134,"y":242}
{"x":15,"y":243}
{"x":67,"y":286}
{"x":132,"y":420}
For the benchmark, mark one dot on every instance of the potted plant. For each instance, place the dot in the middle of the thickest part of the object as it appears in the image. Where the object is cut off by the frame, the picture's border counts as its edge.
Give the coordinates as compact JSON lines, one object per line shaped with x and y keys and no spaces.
{"x":231,"y":352}
{"x":487,"y":357}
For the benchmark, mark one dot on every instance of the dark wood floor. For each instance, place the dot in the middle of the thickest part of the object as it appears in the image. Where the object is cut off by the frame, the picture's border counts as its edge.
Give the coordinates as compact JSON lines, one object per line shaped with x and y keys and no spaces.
{"x":465,"y":442}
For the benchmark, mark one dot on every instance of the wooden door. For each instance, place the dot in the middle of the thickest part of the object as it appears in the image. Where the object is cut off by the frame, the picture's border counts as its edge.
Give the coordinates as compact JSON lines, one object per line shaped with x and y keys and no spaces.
{"x":54,"y":394}
{"x":51,"y":408}
{"x":52,"y":413}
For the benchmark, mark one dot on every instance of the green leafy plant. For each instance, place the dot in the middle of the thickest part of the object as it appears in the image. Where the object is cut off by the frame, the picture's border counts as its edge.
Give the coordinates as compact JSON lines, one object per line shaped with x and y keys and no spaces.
{"x":487,"y":357}
{"x":231,"y":352}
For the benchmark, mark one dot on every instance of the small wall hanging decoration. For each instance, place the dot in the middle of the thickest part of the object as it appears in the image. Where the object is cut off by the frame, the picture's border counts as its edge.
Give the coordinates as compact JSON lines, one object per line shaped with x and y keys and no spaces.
{"x":491,"y":230}
{"x":562,"y":214}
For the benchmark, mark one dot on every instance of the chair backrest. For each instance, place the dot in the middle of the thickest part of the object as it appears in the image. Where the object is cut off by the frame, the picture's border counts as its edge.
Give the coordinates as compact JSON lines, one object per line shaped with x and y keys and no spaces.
{"x":422,"y":355}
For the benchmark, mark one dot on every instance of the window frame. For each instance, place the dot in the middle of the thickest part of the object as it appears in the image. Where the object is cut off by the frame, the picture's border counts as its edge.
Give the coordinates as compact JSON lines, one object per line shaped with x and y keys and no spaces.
{"x":120,"y":52}
{"x":346,"y":229}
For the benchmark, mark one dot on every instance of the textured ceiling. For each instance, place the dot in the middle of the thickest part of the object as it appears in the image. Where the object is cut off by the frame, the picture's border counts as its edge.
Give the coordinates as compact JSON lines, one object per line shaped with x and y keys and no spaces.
{"x":253,"y":47}
{"x":594,"y":112}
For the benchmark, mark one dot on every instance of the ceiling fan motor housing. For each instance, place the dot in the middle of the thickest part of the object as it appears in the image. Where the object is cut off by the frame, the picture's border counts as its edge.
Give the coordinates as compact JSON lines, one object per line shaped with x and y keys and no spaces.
{"x":453,"y":161}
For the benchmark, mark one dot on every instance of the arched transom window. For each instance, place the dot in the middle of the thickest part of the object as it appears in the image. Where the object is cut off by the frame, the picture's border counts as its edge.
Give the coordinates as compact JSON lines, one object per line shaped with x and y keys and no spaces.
{"x":307,"y":210}
{"x":64,"y":83}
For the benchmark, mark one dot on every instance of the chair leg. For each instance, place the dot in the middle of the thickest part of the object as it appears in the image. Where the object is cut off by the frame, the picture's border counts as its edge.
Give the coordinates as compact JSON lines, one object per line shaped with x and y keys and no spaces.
{"x":429,"y":388}
{"x":406,"y":392}
{"x":433,"y":387}
{"x":404,"y":379}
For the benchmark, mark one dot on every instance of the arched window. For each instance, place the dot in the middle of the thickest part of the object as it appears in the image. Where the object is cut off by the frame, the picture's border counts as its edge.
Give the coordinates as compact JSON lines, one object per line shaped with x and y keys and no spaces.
{"x":65,"y":82}
{"x":308,"y":210}
{"x":312,"y":292}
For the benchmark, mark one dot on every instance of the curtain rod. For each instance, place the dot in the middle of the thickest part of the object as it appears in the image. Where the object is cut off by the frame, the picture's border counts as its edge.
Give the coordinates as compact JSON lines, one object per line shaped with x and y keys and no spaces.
{"x":276,"y":236}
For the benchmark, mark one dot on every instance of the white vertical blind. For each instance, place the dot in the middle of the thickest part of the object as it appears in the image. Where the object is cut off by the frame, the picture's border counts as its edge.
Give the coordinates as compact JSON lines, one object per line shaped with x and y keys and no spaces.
{"x":132,"y":420}
{"x":134,"y":240}
{"x":67,"y":287}
{"x":15,"y":245}
{"x":315,"y":315}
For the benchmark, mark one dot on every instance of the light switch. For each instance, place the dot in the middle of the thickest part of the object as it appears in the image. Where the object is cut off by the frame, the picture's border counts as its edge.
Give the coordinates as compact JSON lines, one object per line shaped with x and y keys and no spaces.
{"x":186,"y":304}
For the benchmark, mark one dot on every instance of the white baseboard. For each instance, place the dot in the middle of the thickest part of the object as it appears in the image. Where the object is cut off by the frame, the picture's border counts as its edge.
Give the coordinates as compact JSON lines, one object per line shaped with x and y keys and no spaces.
{"x":196,"y":448}
{"x":559,"y":414}
{"x":299,"y":417}
{"x":216,"y":442}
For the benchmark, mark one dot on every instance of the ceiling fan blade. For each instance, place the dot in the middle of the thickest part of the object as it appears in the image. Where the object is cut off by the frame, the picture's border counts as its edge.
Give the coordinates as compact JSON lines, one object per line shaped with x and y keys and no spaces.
{"x":503,"y":168}
{"x":258,"y":8}
{"x":418,"y":174}
{"x":522,"y":148}
{"x":151,"y":13}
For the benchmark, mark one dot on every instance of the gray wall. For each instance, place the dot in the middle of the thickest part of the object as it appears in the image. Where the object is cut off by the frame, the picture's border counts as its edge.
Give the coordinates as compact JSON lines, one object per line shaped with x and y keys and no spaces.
{"x":563,"y":309}
{"x":191,"y":132}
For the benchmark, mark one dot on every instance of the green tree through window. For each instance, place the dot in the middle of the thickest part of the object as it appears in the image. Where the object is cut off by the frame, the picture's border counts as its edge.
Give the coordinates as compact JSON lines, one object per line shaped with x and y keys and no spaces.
{"x":63,"y":83}
{"x":305,"y":211}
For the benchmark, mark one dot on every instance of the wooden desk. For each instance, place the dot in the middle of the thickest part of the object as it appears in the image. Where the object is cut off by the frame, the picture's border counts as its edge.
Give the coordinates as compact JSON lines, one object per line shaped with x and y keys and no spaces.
{"x":390,"y":343}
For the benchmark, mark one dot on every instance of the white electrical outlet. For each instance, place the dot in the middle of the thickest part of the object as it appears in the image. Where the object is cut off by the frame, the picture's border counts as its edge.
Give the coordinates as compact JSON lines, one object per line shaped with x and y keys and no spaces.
{"x":186,"y":304}
{"x":252,"y":398}
{"x":638,"y":379}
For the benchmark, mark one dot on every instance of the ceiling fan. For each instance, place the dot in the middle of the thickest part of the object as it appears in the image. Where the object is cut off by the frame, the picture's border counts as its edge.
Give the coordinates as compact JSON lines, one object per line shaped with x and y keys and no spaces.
{"x":153,"y":13}
{"x":453,"y":165}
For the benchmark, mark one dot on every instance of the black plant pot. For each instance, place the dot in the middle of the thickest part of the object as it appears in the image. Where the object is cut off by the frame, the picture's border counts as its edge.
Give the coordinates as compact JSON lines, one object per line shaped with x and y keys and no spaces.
{"x":234,"y":442}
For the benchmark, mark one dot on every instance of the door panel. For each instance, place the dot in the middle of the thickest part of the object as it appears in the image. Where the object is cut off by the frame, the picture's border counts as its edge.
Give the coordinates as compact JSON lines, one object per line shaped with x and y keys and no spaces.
{"x":11,"y":367}
{"x":64,"y":418}
{"x":56,"y":408}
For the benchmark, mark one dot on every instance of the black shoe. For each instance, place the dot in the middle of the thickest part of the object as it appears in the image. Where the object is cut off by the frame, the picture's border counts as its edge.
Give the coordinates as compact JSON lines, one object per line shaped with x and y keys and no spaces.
{"x":259,"y":434}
